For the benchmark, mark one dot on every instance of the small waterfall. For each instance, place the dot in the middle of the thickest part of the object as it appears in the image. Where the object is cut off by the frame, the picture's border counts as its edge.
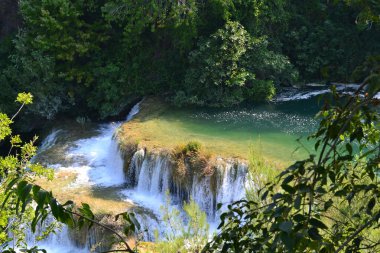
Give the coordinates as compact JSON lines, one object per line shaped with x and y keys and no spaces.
{"x":97,"y":161}
{"x":54,"y":242}
{"x":68,"y":240}
{"x":297,"y":94}
{"x":135,"y":110}
{"x":153,"y":174}
{"x":50,"y":140}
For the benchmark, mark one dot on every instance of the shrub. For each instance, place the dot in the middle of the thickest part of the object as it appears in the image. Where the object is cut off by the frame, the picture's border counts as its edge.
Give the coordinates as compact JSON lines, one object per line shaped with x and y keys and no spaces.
{"x":192,"y":146}
{"x":262,"y":90}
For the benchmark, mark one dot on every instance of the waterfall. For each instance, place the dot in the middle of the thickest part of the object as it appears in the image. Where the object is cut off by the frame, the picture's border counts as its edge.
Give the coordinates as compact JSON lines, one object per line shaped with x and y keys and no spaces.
{"x":50,"y":140}
{"x":54,"y":242}
{"x":99,"y":158}
{"x":67,"y":240}
{"x":152,"y":174}
{"x":135,"y":110}
{"x":97,"y":161}
{"x":297,"y":94}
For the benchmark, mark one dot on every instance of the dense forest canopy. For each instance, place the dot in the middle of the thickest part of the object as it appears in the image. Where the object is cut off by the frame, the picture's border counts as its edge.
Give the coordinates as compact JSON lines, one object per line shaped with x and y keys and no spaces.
{"x":99,"y":56}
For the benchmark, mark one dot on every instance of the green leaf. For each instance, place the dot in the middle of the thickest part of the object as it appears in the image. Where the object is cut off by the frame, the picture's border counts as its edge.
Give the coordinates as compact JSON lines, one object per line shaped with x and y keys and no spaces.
{"x":317,"y":223}
{"x":20,"y":187}
{"x":36,"y":190}
{"x":11,"y":184}
{"x":297,"y":202}
{"x":288,"y":188}
{"x":55,"y":209}
{"x":68,"y":203}
{"x":26,"y":192}
{"x":316,"y":146}
{"x":371,"y":205}
{"x":288,"y":179}
{"x":328,"y":204}
{"x":86,"y":211}
{"x":332,"y":176}
{"x":349,"y":148}
{"x":288,"y":240}
{"x":314,"y":234}
{"x":299,"y":217}
{"x":286,"y":226}
{"x":41,"y":198}
{"x":24,"y":98}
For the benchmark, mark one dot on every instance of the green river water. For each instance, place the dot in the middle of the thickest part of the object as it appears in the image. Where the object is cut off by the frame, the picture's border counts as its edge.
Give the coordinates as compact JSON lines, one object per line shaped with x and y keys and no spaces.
{"x":270,"y":129}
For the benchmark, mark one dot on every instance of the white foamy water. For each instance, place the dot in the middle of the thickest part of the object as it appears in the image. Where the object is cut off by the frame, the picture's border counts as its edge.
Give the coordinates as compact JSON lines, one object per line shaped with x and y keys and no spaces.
{"x":135,"y":110}
{"x":295,"y":94}
{"x":153,"y":176}
{"x":104,"y":165}
{"x":97,"y":162}
{"x":50,"y":140}
{"x":60,"y":242}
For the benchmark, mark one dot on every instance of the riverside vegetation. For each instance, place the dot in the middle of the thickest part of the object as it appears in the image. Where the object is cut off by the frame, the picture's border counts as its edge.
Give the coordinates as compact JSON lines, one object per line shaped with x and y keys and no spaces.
{"x":206,"y":53}
{"x":94,"y":58}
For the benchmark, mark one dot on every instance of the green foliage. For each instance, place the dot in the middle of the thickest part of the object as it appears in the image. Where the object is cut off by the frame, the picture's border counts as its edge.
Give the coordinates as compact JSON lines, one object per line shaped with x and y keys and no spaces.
{"x":216,"y":67}
{"x":326,"y":203}
{"x":224,"y":67}
{"x":15,"y":168}
{"x":369,"y":11}
{"x":269,"y":65}
{"x":5,"y":129}
{"x":182,"y":237}
{"x":261,"y":90}
{"x":260,"y":172}
{"x":349,"y":42}
{"x":24,"y":98}
{"x":100,"y":56}
{"x":192,"y":146}
{"x":52,"y":53}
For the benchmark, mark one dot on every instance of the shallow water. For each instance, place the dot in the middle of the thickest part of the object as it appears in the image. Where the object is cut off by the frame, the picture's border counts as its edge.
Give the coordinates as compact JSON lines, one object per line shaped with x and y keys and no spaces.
{"x":270,"y":129}
{"x":278,"y":130}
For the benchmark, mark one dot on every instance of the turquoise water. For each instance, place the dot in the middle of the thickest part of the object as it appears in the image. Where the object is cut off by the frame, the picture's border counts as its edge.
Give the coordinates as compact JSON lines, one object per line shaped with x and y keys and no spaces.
{"x":272,"y":129}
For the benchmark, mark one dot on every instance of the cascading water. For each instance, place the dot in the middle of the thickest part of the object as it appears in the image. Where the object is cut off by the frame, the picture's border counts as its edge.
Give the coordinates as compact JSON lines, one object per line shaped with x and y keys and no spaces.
{"x":58,"y":242}
{"x":99,"y":158}
{"x":296,"y":94}
{"x":153,"y":175}
{"x":94,"y":156}
{"x":95,"y":160}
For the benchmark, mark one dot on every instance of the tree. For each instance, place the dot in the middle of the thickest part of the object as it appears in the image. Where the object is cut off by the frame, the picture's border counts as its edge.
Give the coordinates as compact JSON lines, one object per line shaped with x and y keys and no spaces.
{"x":216,"y":67}
{"x":230,"y":67}
{"x":327,"y":40}
{"x":53,"y":52}
{"x":326,"y":203}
